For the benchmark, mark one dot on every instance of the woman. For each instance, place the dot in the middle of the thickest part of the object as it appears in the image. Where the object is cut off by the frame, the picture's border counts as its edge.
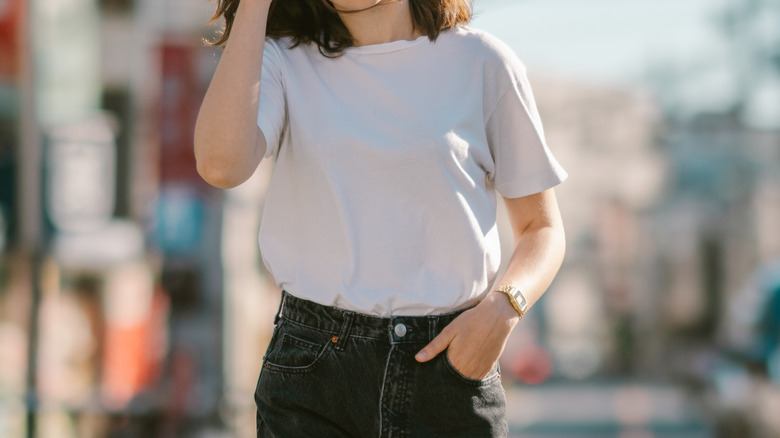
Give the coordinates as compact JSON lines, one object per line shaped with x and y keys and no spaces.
{"x":391,"y":125}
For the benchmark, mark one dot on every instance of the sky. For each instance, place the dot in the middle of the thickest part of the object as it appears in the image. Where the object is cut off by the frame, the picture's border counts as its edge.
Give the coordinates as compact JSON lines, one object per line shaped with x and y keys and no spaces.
{"x":601,"y":40}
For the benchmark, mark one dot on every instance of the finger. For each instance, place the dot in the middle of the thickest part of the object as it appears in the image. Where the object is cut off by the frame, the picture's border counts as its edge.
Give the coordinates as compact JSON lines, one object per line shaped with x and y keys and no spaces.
{"x":436,"y":346}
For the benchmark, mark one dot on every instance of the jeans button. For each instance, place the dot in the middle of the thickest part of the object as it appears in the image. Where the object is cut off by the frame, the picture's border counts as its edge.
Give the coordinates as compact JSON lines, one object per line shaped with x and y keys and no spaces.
{"x":400,"y":330}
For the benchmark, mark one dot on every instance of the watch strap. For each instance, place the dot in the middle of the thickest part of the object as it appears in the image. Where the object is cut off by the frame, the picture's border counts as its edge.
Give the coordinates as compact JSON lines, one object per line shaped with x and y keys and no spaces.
{"x":516,"y":298}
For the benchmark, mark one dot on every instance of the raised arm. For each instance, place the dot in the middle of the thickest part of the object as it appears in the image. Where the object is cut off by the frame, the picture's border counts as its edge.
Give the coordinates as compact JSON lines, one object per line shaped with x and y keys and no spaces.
{"x":228,"y":143}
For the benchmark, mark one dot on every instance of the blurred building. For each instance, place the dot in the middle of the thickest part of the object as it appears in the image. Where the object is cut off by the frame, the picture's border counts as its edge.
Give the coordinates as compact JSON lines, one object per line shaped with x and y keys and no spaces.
{"x":672,"y":213}
{"x":110,"y":274}
{"x":605,"y":136}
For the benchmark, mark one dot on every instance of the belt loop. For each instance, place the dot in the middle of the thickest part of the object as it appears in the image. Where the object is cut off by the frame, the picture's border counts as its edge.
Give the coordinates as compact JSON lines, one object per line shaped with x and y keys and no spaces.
{"x":389,"y":328}
{"x":346,"y":326}
{"x":279,"y":311}
{"x":432,"y":326}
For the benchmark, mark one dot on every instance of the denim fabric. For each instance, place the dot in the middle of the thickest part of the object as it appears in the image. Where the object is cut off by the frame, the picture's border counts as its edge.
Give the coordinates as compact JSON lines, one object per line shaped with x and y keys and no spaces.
{"x":334,"y":373}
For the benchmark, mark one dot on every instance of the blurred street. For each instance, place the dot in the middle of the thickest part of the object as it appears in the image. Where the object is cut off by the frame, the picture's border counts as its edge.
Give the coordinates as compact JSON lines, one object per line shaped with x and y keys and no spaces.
{"x":606,"y":409}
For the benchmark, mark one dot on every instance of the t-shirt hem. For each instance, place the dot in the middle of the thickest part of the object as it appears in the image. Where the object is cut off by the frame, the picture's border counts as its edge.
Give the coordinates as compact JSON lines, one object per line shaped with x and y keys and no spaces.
{"x":532,"y":185}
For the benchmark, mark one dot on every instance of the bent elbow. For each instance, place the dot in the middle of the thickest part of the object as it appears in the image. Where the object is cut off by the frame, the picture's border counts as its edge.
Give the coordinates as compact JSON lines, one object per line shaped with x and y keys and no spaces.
{"x":226,"y":161}
{"x":218,"y":176}
{"x":216,"y":170}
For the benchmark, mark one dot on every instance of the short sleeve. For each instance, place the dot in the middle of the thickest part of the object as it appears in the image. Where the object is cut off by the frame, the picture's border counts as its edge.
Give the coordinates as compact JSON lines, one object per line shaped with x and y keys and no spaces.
{"x":271,"y":107}
{"x":523,"y":164}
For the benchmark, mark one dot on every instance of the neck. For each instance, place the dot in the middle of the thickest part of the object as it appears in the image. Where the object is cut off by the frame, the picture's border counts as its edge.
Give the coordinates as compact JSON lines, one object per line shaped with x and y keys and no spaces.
{"x":385,"y":22}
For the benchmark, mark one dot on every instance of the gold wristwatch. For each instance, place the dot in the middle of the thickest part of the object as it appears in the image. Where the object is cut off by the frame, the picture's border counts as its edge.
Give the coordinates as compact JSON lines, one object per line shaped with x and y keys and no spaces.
{"x":516,"y":298}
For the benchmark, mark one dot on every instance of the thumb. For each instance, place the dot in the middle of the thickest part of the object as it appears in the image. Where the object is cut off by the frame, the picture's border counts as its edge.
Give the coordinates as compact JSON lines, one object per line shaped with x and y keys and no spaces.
{"x":436,"y":346}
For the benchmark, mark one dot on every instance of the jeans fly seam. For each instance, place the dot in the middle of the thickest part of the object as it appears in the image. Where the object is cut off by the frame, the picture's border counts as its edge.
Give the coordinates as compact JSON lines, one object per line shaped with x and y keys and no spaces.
{"x":382,"y":390}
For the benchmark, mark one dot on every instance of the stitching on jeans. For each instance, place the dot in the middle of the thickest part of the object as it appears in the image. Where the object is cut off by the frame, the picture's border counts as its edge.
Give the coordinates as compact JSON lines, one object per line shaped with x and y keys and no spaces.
{"x":382,"y":389}
{"x":344,"y":332}
{"x":432,"y":328}
{"x":292,"y":321}
{"x":372,"y":338}
{"x":334,"y":332}
{"x":283,"y":369}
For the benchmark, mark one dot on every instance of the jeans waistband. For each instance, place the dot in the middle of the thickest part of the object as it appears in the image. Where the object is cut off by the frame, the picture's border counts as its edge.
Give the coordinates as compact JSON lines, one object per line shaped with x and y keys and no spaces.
{"x":344,"y":323}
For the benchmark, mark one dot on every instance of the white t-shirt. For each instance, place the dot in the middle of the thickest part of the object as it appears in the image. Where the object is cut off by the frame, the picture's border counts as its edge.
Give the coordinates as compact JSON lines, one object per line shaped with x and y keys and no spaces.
{"x":380,"y":199}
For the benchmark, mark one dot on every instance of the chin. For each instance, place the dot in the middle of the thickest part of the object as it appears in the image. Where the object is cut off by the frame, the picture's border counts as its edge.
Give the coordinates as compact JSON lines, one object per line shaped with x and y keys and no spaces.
{"x":354,"y":5}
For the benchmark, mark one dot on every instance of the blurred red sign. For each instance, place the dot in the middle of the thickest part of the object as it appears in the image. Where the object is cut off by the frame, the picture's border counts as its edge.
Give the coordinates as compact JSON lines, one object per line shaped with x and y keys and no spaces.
{"x":133,"y":353}
{"x":180,"y":100}
{"x":10,"y":21}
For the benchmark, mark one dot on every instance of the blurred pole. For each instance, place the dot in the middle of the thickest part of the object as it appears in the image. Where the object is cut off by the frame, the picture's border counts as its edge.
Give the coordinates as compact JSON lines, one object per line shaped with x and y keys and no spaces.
{"x":30,"y":157}
{"x":30,"y":210}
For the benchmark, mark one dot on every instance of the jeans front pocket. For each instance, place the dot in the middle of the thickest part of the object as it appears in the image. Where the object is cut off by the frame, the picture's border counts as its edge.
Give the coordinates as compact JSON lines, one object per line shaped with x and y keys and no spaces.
{"x":296,"y":348}
{"x":449,"y":404}
{"x":494,"y":375}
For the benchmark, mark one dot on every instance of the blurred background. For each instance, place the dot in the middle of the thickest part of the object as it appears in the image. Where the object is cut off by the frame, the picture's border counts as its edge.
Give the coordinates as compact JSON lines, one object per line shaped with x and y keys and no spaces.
{"x":133,"y":302}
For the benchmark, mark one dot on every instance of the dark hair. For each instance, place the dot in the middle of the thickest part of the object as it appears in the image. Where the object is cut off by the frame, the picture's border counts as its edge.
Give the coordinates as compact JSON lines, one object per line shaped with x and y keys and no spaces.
{"x":316,"y":21}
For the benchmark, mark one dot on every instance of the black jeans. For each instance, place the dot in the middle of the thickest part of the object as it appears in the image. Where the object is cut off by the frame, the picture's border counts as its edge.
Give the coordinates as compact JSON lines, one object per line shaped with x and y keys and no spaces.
{"x":334,"y":373}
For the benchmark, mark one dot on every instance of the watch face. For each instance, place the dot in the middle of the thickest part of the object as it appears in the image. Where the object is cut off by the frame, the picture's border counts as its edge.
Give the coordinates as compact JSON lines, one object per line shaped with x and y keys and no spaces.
{"x":521,"y":300}
{"x":517,"y":295}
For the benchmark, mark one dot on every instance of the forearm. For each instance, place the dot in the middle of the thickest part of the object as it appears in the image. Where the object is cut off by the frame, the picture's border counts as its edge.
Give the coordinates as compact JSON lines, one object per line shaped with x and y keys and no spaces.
{"x":228,"y":143}
{"x":476,"y":338}
{"x":537,"y":256}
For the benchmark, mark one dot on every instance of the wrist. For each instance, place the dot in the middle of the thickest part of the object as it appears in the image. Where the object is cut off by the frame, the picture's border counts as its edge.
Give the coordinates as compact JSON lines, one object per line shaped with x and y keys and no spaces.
{"x":515,"y":298}
{"x":502,"y":306}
